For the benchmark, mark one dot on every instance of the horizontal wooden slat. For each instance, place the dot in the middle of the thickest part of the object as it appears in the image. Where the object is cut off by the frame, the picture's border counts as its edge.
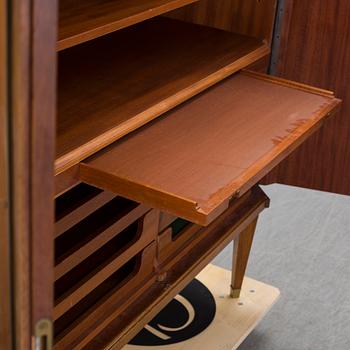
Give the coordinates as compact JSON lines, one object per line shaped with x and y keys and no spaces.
{"x":142,"y":72}
{"x":214,"y":147}
{"x":80,"y":250}
{"x":83,"y":20}
{"x":148,"y":230}
{"x":78,"y":208}
{"x":83,"y":322}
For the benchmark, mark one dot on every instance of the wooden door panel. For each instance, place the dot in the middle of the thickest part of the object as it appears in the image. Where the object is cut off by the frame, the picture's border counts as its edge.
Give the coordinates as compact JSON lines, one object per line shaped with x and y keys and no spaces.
{"x":315,"y":49}
{"x":31,"y":115}
{"x":43,"y":112}
{"x":5,"y":266}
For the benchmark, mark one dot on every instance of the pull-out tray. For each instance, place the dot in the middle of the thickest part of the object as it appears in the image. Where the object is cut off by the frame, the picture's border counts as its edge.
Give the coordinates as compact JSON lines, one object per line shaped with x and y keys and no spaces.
{"x":212,"y":148}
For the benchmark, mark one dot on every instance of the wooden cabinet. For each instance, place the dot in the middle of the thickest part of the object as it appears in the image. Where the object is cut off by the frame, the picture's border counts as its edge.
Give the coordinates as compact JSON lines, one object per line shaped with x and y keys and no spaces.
{"x":137,"y":139}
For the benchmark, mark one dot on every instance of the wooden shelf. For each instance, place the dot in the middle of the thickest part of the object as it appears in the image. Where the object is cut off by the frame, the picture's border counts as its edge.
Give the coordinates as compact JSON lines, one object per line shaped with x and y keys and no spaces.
{"x":83,"y":20}
{"x":216,"y":146}
{"x":113,"y":85}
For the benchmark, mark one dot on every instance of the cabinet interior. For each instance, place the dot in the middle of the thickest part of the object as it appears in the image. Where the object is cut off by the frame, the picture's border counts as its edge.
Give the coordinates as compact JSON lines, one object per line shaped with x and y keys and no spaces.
{"x":135,"y":77}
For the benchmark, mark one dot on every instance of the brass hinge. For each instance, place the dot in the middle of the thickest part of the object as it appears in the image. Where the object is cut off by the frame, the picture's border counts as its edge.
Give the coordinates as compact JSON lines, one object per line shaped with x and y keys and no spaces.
{"x":43,"y":335}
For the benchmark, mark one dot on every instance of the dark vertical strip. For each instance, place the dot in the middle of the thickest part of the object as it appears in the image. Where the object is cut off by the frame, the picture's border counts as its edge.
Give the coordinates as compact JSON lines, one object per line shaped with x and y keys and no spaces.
{"x":276,"y":39}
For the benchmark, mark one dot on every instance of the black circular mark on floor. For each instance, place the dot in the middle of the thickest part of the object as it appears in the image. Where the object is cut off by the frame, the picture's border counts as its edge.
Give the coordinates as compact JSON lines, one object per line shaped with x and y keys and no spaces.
{"x":167,"y":327}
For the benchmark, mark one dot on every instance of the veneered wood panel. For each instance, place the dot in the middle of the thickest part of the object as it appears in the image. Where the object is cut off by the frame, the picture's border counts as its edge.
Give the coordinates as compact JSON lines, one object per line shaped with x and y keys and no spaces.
{"x":6,"y":292}
{"x":248,"y":17}
{"x":20,"y":13}
{"x":138,"y":77}
{"x":215,"y":146}
{"x":315,"y":49}
{"x":81,"y":20}
{"x":42,"y":148}
{"x":66,"y":180}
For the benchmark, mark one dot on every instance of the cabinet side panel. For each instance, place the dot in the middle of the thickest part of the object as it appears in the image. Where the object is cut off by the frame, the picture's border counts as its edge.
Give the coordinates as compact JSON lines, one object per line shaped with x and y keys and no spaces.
{"x":32,"y":111}
{"x":315,"y":49}
{"x":19,"y":102}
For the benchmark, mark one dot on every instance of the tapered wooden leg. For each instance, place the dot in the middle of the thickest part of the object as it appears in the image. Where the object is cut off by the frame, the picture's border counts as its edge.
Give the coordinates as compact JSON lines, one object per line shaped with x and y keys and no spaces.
{"x":241,"y":251}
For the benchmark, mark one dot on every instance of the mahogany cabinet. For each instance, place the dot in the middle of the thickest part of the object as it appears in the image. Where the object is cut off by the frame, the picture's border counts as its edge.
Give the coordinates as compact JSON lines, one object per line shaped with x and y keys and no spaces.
{"x":134,"y":134}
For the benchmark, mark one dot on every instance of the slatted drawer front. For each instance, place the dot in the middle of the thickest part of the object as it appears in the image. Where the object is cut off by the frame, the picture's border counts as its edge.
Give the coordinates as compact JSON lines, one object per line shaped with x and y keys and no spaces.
{"x":77,"y":204}
{"x":100,"y":280}
{"x":88,"y":317}
{"x":104,"y":244}
{"x":189,"y":249}
{"x":105,"y":225}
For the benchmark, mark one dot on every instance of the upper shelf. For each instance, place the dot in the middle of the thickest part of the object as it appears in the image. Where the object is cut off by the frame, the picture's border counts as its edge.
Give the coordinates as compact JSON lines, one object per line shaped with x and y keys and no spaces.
{"x":83,"y":20}
{"x":117,"y":83}
{"x":212,"y":148}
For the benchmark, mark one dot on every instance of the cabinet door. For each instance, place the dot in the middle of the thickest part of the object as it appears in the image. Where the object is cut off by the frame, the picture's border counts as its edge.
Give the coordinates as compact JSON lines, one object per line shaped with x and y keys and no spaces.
{"x":5,"y":274}
{"x":314,"y":49}
{"x":30,"y":90}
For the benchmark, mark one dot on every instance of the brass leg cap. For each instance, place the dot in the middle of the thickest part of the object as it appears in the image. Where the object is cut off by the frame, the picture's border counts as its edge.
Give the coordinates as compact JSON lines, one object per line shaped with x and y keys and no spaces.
{"x":235,"y":293}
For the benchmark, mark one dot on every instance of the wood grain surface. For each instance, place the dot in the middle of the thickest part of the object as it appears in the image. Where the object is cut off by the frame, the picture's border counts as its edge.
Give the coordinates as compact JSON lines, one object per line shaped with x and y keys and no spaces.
{"x":315,"y":49}
{"x":248,"y":17}
{"x":241,"y":251}
{"x":66,"y":180}
{"x":42,"y":152}
{"x":81,"y":20}
{"x":134,"y":75}
{"x":21,"y":171}
{"x":218,"y":145}
{"x":6,"y":266}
